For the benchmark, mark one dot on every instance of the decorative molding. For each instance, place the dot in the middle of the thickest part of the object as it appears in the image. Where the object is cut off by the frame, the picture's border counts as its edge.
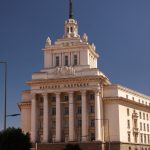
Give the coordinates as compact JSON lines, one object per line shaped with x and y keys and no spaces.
{"x":62,"y":71}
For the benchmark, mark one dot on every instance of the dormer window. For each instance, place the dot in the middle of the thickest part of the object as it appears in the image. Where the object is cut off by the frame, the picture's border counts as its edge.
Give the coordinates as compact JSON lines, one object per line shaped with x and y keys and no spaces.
{"x":66,"y":60}
{"x":57,"y":60}
{"x":75,"y":60}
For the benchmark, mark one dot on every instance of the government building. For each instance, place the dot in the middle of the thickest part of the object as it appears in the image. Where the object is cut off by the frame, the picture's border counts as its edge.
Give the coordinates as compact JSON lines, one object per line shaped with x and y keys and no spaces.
{"x":71,"y":101}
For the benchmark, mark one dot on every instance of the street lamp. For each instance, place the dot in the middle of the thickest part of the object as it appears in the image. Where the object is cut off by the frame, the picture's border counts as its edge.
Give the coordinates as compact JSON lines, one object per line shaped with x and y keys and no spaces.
{"x":5,"y":92}
{"x":108,"y":130}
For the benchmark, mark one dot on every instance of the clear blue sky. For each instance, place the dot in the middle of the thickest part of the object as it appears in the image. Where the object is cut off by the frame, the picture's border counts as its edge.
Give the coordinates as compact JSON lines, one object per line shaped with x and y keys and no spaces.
{"x":120,"y":30}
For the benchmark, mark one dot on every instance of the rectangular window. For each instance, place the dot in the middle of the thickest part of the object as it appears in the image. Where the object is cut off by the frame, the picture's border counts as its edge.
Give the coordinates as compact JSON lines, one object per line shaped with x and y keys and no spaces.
{"x":148,"y":139}
{"x":66,"y":111}
{"x":66,"y":98}
{"x":79,"y":122}
{"x":144,"y":116}
{"x":75,"y":60}
{"x":41,"y":124}
{"x":147,"y":116}
{"x":66,"y":123}
{"x":92,"y":109}
{"x":41,"y":111}
{"x":128,"y":112}
{"x":92,"y":136}
{"x":145,"y":138}
{"x":78,"y":97}
{"x":141,"y":135}
{"x":66,"y":60}
{"x":129,"y":137}
{"x":147,"y":127}
{"x":92,"y":123}
{"x":57,"y":60}
{"x":140,"y":115}
{"x":144,"y":127}
{"x":79,"y":110}
{"x":128,"y":124}
{"x":53,"y":124}
{"x":141,"y":126}
{"x":91,"y":97}
{"x":53,"y":111}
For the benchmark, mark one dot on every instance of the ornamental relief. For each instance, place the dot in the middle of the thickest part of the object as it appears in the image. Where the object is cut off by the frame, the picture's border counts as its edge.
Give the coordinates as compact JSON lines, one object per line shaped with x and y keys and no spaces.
{"x":64,"y":71}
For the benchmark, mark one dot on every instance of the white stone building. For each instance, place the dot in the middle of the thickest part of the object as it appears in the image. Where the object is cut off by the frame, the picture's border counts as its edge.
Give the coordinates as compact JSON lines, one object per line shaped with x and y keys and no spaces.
{"x":70,"y":99}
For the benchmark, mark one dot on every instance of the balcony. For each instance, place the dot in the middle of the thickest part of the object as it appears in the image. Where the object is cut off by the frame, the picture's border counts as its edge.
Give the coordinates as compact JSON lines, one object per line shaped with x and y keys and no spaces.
{"x":135,"y":115}
{"x":135,"y":130}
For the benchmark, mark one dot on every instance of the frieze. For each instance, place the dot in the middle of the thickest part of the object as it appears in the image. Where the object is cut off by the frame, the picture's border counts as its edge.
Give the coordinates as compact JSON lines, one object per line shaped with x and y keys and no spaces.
{"x":64,"y":71}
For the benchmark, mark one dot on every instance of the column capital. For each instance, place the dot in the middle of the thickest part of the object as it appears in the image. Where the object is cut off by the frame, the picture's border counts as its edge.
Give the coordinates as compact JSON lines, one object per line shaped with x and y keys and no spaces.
{"x":57,"y":93}
{"x":70,"y":92}
{"x":33,"y":95}
{"x":44,"y":94}
{"x":83,"y":92}
{"x":97,"y":92}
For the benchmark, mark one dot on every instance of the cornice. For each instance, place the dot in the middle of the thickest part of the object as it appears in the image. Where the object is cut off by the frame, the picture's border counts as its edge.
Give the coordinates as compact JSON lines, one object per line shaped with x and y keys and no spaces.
{"x":65,"y":80}
{"x":124,"y":101}
{"x":128,"y":90}
{"x":25,"y":104}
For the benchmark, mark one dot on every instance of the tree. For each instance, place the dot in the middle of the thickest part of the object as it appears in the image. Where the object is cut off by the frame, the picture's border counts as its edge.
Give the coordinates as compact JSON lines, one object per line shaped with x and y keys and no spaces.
{"x":14,"y":139}
{"x":72,"y":147}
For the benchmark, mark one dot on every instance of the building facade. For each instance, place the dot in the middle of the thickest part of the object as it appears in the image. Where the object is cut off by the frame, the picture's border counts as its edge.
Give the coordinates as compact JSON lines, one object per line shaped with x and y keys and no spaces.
{"x":71,"y":100}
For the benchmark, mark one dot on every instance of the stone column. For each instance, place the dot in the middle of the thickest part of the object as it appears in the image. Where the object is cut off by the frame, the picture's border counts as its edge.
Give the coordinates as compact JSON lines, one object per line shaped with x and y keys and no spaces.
{"x":98,"y":119}
{"x":71,"y":118}
{"x":58,"y":118}
{"x":84,"y":116}
{"x":33,"y":118}
{"x":45,"y":118}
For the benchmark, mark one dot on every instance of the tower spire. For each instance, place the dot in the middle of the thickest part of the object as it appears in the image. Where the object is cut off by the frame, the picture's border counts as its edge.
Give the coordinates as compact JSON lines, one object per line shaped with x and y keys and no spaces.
{"x":70,"y":10}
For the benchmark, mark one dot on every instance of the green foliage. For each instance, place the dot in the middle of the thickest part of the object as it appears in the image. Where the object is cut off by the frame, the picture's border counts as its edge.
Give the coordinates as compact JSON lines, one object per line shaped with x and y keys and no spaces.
{"x":72,"y":147}
{"x":14,"y":139}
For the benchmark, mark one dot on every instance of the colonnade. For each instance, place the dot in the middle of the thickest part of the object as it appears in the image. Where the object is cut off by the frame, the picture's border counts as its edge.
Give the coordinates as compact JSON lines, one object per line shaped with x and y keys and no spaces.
{"x":98,"y":116}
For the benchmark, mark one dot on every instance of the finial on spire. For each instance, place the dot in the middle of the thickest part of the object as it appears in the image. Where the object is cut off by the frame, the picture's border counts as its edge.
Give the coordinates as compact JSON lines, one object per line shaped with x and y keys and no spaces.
{"x":70,"y":10}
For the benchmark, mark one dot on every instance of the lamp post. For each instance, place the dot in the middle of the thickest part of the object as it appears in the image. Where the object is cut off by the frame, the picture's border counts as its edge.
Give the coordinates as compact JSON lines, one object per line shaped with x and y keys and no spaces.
{"x":5,"y":91}
{"x":108,"y":131}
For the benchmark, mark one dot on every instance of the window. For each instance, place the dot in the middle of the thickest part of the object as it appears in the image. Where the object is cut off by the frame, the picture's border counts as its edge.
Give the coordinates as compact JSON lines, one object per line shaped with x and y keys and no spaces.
{"x":41,"y":124}
{"x":78,"y":97}
{"x":41,"y":111}
{"x":66,"y":98}
{"x":66,"y":111}
{"x":53,"y":98}
{"x":129,"y":148}
{"x":147,"y":116}
{"x":144,"y":127}
{"x":75,"y":60}
{"x":128,"y":124}
{"x":129,"y":137}
{"x":79,"y":123}
{"x":147,"y":127}
{"x":66,"y":60}
{"x":65,"y":123}
{"x":53,"y":124}
{"x":145,"y":138}
{"x":79,"y":110}
{"x":92,"y":123}
{"x":71,"y":29}
{"x":140,"y":115}
{"x":141,"y":135}
{"x":53,"y":111}
{"x":68,"y":30}
{"x":148,"y":139}
{"x":91,"y":97}
{"x":144,"y":116}
{"x":92,"y":136}
{"x":141,"y":126}
{"x":92,"y":109}
{"x":128,"y":112}
{"x":133,"y":98}
{"x":127,"y":96}
{"x":57,"y":60}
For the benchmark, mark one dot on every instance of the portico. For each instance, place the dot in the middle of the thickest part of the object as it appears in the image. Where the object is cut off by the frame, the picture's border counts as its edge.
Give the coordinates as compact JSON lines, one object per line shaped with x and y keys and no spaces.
{"x":67,"y":109}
